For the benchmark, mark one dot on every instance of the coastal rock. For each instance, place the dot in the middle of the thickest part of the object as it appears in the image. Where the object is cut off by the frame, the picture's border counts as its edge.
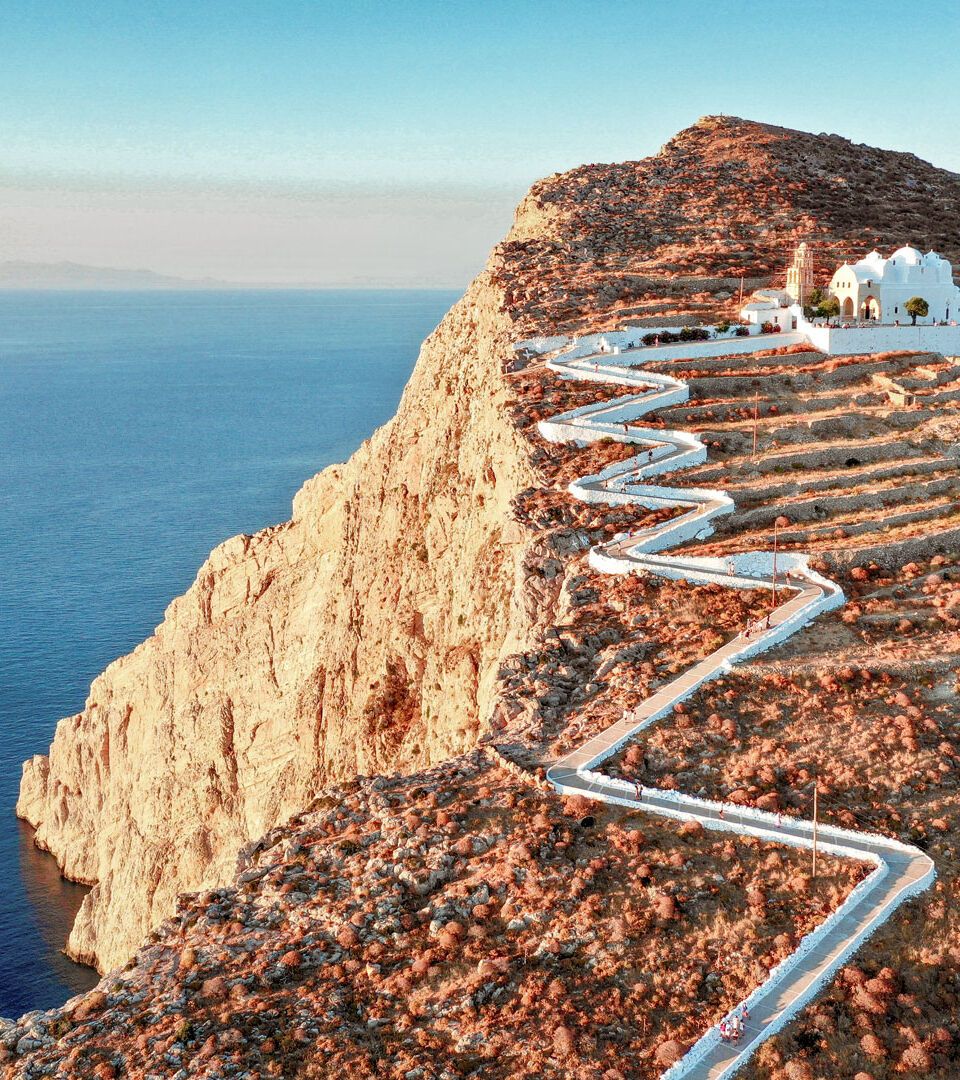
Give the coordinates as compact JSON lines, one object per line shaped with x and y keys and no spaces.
{"x":361,"y":636}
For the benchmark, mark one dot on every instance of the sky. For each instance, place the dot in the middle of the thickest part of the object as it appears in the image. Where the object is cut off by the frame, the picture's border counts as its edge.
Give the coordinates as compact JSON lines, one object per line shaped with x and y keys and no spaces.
{"x":358,"y":143}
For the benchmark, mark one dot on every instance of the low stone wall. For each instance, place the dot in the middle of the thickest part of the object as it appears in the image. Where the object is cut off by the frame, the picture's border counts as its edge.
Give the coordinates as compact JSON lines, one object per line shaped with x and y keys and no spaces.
{"x":501,"y":760}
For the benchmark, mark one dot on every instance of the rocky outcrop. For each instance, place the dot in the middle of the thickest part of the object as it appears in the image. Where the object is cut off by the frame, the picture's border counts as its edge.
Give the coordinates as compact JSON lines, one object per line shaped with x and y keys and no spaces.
{"x":361,"y":636}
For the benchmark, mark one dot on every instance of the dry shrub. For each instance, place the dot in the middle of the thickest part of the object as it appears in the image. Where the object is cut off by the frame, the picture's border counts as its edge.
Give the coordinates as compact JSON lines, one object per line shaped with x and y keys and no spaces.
{"x":798,"y":1070}
{"x":577,"y":806}
{"x":870,"y":1003}
{"x":665,"y":907}
{"x":873,"y":1047}
{"x":563,"y":1040}
{"x":669,"y":1052}
{"x":915,"y":1059}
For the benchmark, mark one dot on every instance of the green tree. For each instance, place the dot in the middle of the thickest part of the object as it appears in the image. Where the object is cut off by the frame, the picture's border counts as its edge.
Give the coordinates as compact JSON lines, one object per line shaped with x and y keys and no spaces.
{"x":816,"y":297}
{"x":829,"y":308}
{"x":917,"y":306}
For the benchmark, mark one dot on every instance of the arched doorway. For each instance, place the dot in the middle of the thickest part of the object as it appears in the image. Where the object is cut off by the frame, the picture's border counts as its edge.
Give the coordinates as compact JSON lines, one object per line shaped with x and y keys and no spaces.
{"x":847,"y":309}
{"x":870,"y":308}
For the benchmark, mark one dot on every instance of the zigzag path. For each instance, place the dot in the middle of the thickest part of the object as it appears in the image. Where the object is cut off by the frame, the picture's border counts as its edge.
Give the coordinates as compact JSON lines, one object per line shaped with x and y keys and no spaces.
{"x":901,"y":871}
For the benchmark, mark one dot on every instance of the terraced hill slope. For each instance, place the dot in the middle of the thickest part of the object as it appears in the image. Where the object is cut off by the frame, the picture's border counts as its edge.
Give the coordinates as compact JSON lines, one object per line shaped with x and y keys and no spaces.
{"x":847,"y":469}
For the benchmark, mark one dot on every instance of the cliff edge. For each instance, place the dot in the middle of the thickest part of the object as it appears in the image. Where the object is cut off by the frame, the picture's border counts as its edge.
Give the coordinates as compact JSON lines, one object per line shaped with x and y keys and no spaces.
{"x":459,"y":919}
{"x":361,"y":636}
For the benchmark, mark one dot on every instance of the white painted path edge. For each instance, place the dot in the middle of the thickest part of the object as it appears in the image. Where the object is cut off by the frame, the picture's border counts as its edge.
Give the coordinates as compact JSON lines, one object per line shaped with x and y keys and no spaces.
{"x":901,"y":871}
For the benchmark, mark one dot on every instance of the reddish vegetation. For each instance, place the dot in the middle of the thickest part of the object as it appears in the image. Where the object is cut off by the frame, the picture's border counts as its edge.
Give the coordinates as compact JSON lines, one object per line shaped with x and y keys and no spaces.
{"x":461,"y":924}
{"x":867,"y":704}
{"x":465,"y":923}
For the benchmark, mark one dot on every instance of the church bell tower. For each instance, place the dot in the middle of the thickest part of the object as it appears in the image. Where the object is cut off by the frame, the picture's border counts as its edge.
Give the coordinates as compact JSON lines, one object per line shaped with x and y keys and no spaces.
{"x":800,"y":274}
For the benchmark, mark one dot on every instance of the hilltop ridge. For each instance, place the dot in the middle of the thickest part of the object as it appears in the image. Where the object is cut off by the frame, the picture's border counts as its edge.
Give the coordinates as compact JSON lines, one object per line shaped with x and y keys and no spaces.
{"x":673,"y":233}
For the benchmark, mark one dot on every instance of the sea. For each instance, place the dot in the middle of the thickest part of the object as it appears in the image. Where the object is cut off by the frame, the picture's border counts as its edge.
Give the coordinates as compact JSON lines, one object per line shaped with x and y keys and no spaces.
{"x":137,"y":431}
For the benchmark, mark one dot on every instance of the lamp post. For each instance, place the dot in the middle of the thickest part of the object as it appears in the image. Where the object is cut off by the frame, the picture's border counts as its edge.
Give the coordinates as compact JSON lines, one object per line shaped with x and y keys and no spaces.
{"x":814,"y":873}
{"x":756,"y":413}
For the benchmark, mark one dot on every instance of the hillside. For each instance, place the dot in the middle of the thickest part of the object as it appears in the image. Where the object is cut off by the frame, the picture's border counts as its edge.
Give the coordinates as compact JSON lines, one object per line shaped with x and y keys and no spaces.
{"x":433,"y":593}
{"x":724,"y":198}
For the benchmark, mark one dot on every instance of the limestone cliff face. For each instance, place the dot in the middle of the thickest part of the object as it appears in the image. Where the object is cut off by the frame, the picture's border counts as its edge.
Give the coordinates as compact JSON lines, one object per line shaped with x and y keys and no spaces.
{"x":360,"y":636}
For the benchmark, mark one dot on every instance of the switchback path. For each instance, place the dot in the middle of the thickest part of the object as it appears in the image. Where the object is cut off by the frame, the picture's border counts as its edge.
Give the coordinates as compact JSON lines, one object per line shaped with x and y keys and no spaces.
{"x":901,"y":871}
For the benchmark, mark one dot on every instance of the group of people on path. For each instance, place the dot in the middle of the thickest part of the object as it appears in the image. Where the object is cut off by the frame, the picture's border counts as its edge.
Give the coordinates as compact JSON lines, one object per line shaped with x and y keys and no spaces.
{"x":731,"y":1027}
{"x":756,"y":628}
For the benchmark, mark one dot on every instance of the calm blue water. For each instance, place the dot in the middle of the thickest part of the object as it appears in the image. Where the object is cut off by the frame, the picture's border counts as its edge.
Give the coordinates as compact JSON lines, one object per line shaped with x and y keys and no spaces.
{"x":137,"y":431}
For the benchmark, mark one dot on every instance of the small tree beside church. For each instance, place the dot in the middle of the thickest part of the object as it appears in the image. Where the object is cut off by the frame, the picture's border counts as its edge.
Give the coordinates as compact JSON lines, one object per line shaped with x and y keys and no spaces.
{"x":821,"y":306}
{"x":917,"y":306}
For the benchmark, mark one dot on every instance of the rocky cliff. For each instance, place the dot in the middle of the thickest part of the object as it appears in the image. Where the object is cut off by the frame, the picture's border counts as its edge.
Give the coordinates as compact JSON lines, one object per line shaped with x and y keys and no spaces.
{"x":360,"y":636}
{"x":363,"y":635}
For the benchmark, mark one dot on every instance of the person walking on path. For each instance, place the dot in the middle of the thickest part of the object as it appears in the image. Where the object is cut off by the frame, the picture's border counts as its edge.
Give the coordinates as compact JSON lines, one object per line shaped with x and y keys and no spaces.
{"x":724,"y":1031}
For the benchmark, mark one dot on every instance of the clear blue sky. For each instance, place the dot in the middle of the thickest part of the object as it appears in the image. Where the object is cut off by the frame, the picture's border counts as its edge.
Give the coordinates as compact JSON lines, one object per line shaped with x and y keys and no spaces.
{"x":278,"y":121}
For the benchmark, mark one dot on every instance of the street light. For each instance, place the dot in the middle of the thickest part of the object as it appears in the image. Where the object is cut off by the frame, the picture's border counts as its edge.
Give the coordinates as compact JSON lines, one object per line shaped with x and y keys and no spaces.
{"x":756,"y":413}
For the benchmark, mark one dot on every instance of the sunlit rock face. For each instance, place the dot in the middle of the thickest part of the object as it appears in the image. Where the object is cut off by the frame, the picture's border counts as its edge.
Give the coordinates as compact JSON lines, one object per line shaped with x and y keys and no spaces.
{"x":360,"y":636}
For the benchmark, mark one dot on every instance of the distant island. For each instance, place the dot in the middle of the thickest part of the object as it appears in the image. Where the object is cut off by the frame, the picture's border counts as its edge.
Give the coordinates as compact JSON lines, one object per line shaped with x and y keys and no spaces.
{"x":19,"y":274}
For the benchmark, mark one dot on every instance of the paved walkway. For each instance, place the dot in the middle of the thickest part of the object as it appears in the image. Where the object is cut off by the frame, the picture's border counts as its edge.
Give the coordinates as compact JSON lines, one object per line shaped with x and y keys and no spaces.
{"x":901,"y":871}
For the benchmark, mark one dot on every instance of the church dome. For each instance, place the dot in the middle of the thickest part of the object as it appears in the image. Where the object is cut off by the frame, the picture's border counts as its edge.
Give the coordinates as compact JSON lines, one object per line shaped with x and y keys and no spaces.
{"x":869,"y":268}
{"x":910,"y":255}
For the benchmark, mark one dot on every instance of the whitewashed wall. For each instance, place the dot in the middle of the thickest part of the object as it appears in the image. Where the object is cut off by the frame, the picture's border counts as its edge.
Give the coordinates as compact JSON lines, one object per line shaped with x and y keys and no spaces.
{"x":873,"y":339}
{"x":725,"y":345}
{"x":729,"y":346}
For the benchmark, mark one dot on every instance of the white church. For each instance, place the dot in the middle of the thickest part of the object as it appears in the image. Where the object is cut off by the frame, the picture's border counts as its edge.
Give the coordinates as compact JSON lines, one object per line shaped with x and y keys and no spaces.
{"x":876,"y":288}
{"x":872,"y":295}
